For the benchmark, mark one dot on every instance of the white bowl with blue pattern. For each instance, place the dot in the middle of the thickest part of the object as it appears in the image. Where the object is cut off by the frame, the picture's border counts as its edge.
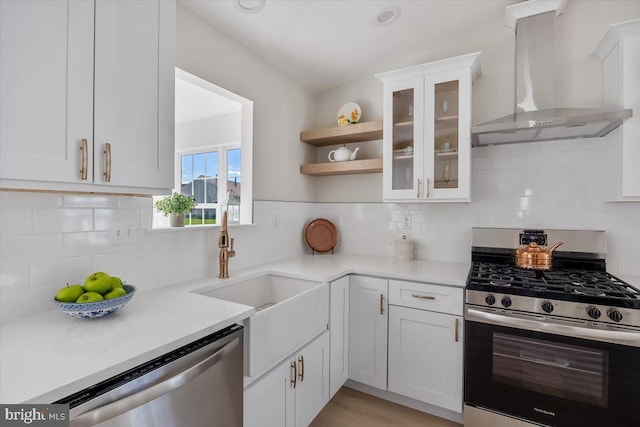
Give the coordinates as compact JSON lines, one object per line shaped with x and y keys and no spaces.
{"x":93,"y":310}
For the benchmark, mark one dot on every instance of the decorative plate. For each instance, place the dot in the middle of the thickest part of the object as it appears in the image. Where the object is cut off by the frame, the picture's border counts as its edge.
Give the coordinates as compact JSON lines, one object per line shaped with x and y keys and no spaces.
{"x":349,"y":114}
{"x":321,"y":235}
{"x":93,"y":310}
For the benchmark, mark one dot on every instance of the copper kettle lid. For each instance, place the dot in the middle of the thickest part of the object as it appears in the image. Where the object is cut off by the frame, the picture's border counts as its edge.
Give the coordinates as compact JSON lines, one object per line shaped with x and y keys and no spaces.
{"x":534,"y":248}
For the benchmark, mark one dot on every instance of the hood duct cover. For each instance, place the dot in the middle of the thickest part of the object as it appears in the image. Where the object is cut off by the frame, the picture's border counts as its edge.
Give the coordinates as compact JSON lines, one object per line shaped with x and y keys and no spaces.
{"x":535,"y":118}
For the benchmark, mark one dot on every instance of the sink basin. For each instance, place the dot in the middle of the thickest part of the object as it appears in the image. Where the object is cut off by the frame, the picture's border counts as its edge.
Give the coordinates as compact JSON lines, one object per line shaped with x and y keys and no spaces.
{"x":289,"y":313}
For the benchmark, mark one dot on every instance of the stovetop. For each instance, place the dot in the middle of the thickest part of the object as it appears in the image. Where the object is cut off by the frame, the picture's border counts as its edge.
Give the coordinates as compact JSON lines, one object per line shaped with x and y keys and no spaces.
{"x":567,"y":284}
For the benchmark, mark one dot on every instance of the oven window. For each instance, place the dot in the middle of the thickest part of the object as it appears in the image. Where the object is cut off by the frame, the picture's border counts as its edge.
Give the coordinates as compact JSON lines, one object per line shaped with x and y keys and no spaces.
{"x":567,"y":371}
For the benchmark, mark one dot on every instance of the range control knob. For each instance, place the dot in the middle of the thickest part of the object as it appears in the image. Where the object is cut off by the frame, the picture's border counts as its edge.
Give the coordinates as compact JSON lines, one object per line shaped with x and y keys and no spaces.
{"x":506,"y":302}
{"x":593,"y":312}
{"x":614,"y":315}
{"x":490,"y":299}
{"x":547,"y":306}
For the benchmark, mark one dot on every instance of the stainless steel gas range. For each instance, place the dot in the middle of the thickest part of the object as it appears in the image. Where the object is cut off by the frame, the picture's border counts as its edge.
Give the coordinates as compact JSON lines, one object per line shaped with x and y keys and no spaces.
{"x":555,"y":347}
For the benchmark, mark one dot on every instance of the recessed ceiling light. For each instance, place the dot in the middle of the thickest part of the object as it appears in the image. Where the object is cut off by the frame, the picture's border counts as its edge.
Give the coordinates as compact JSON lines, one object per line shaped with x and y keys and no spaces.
{"x":388,"y":15}
{"x":250,"y":6}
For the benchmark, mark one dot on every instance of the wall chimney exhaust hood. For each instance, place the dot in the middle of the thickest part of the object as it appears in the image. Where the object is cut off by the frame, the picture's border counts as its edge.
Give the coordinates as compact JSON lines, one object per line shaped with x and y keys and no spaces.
{"x":535,"y":118}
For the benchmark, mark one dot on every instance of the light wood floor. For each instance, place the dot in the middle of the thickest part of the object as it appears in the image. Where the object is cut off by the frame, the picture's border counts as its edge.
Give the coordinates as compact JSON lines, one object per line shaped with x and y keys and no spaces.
{"x":351,"y":408}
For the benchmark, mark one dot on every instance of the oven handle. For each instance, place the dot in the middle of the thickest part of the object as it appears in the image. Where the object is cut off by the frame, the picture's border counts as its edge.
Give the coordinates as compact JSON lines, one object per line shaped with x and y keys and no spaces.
{"x":555,"y":326}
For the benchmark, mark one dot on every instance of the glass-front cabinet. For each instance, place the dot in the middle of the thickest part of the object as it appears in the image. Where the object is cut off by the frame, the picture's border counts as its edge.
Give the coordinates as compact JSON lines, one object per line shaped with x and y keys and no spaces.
{"x":427,"y":122}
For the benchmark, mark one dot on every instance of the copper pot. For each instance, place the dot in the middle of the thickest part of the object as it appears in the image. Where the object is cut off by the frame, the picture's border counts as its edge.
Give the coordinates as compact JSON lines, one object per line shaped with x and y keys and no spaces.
{"x":534,"y":257}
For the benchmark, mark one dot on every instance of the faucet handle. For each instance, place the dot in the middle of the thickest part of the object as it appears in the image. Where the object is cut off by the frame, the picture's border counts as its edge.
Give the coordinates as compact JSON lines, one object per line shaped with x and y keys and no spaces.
{"x":232,"y":239}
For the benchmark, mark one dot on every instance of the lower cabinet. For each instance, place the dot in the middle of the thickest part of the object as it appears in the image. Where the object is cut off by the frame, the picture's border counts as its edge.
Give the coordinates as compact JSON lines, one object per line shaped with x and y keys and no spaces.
{"x":368,"y":330}
{"x":339,"y":330}
{"x":425,"y":356}
{"x":293,"y":393}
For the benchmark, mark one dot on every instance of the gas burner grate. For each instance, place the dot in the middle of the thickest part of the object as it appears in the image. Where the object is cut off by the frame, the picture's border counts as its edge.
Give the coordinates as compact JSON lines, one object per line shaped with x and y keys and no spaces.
{"x":566,"y":282}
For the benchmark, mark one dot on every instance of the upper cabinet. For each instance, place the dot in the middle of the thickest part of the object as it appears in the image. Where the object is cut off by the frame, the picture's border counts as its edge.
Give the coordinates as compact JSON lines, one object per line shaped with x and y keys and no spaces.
{"x":427,"y":130}
{"x":619,"y":51}
{"x":87,"y":95}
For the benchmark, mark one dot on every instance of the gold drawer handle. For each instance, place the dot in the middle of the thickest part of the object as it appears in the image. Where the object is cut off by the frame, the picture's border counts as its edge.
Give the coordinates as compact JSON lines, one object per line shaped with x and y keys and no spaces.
{"x":107,"y":161}
{"x":457,"y":334}
{"x":84,"y":159}
{"x":422,"y":296}
{"x":301,"y":374}
{"x":381,"y":304}
{"x":294,"y":381}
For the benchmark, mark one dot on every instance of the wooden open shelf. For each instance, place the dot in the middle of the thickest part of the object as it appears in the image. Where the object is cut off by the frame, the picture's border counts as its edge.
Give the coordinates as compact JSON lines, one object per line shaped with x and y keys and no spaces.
{"x":368,"y":131}
{"x":342,"y":168}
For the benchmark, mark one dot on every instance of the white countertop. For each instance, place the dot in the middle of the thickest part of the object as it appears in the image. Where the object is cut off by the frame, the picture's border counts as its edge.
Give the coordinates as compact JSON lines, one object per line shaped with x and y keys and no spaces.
{"x":48,"y":356}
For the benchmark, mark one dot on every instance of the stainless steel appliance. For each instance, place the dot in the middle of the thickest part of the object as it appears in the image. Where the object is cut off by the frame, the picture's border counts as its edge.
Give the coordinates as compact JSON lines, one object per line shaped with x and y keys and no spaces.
{"x":197,"y":385}
{"x":552,"y":348}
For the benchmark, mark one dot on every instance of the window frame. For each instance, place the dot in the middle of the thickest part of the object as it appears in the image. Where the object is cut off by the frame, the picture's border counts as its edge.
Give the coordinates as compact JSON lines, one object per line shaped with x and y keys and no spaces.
{"x":221,"y":149}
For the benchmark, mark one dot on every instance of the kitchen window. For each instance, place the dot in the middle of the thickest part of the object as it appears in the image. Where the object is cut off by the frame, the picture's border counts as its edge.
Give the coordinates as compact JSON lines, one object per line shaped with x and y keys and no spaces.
{"x":208,"y":175}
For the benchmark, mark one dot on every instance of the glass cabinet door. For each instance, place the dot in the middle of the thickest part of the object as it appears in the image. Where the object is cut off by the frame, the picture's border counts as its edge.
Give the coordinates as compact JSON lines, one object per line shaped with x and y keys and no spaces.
{"x":448,"y":113}
{"x":403,"y":139}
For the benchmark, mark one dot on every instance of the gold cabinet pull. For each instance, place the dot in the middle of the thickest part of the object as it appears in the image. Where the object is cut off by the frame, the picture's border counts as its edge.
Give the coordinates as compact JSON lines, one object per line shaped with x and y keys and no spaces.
{"x":457,"y":335}
{"x":84,"y":159}
{"x":381,"y":304}
{"x":294,"y":381}
{"x":427,"y":188}
{"x":107,"y":162}
{"x":422,"y":296}
{"x":418,"y":189}
{"x":301,"y":374}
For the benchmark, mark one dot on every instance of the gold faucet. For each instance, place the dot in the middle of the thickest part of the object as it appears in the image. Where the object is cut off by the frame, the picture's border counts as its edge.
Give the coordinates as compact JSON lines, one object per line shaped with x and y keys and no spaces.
{"x":225,"y":251}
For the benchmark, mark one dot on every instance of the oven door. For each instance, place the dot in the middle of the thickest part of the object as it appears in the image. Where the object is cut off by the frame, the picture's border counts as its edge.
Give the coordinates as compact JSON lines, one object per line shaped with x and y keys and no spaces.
{"x":549,"y":379}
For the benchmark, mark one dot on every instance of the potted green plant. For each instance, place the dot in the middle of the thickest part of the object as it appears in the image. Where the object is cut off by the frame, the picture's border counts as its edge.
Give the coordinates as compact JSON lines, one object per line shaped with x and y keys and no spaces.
{"x":176,"y":205}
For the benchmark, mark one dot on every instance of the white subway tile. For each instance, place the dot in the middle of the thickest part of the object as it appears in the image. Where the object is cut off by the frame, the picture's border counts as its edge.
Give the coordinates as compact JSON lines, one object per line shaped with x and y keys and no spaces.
{"x":60,"y":271}
{"x":103,"y":217}
{"x":30,"y":247}
{"x":14,"y":278}
{"x":61,"y":220}
{"x":129,"y":202}
{"x":16,"y":199}
{"x":82,"y":244}
{"x":89,"y":201}
{"x":14,"y":221}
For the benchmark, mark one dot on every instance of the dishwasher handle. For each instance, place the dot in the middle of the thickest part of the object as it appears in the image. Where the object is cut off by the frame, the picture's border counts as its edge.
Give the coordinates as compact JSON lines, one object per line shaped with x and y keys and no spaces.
{"x":128,"y":403}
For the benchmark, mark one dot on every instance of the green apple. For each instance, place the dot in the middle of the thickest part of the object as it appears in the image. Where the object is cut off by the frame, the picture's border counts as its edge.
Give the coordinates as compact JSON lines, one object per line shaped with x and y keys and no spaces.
{"x":116,"y":282}
{"x":69,"y":293}
{"x":115,"y":293}
{"x":89,"y":297}
{"x":98,"y":282}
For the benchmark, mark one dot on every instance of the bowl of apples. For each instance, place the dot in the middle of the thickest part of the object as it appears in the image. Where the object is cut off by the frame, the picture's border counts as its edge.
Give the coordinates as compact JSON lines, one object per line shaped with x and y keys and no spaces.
{"x":100,"y":295}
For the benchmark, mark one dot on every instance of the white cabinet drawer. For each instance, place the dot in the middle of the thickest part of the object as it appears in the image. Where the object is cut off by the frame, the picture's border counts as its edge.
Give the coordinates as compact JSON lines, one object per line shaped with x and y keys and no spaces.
{"x":425,"y":296}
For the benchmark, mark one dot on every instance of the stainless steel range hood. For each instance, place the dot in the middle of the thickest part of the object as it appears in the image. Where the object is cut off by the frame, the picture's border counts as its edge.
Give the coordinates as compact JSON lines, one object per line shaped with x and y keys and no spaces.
{"x":535,"y":118}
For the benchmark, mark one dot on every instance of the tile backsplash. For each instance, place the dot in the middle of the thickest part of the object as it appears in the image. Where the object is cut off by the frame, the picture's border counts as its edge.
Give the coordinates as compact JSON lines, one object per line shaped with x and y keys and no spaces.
{"x":49,"y":239}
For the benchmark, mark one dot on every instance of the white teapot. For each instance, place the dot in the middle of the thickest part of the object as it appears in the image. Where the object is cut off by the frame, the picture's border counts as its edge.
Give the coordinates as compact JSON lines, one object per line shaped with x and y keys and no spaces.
{"x":342,"y":154}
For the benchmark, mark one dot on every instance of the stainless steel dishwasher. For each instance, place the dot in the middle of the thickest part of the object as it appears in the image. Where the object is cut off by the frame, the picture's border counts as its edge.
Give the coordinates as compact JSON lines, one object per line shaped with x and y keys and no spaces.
{"x":197,"y":385}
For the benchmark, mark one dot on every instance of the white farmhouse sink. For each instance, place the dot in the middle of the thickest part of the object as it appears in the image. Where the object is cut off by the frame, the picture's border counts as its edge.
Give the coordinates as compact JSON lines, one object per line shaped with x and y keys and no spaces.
{"x":289,"y":313}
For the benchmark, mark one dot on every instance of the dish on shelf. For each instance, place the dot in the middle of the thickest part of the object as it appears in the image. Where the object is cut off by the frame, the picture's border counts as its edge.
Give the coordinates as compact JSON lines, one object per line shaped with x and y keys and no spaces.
{"x":349,"y":114}
{"x":321,"y":235}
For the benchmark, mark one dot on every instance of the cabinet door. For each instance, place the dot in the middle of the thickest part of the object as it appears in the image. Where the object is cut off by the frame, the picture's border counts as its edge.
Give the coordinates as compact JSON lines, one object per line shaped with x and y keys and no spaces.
{"x":270,"y":402}
{"x":447,"y":135}
{"x":402,"y":140}
{"x":339,"y":330}
{"x":368,"y":331}
{"x":312,"y":391}
{"x":425,"y":356}
{"x":134,"y":91}
{"x":46,"y":82}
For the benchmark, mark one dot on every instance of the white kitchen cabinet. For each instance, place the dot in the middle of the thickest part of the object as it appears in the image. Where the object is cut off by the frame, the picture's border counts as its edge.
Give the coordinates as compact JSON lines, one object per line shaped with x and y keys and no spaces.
{"x":62,"y":86}
{"x":426,"y":343}
{"x":293,"y":393}
{"x":339,"y":338}
{"x":427,"y":130}
{"x":368,"y":330}
{"x":619,"y":51}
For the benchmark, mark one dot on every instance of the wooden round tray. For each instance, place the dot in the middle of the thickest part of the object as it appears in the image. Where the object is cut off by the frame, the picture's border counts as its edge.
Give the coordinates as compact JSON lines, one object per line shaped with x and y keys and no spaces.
{"x":321,"y":235}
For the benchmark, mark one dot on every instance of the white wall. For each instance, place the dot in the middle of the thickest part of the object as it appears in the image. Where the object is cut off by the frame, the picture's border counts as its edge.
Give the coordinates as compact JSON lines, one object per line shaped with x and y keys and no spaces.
{"x":208,"y":131}
{"x":282,"y":107}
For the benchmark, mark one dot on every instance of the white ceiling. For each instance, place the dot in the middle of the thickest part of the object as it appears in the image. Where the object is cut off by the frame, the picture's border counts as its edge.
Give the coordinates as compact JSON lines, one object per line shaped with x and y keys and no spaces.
{"x":194,"y":103}
{"x":324,"y":43}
